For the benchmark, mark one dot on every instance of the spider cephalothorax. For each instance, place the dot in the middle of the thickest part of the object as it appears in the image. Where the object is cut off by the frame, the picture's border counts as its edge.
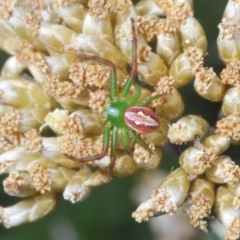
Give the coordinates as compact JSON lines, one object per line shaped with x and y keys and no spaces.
{"x":123,"y":114}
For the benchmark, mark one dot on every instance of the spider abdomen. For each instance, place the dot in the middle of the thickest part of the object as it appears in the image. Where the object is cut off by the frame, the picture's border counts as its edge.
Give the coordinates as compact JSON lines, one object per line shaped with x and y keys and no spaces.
{"x":141,"y":119}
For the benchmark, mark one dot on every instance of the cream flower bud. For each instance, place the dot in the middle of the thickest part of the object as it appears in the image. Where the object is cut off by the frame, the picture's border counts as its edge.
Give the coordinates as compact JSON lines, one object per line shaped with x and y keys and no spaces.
{"x":226,"y":212}
{"x":73,"y":15}
{"x":101,"y":28}
{"x":68,"y":125}
{"x":235,"y":189}
{"x":168,"y":4}
{"x":52,"y":119}
{"x":11,"y":128}
{"x":35,"y":15}
{"x":42,"y":67}
{"x":4,"y":109}
{"x":181,"y":71}
{"x":192,"y":34}
{"x":228,"y":40}
{"x":82,"y":183}
{"x":76,"y":191}
{"x":219,"y":143}
{"x":231,"y":102}
{"x":93,"y":74}
{"x":166,"y":198}
{"x":9,"y":38}
{"x":18,"y":184}
{"x":148,"y":7}
{"x":230,"y":74}
{"x":42,"y":176}
{"x":201,"y":202}
{"x":50,"y":150}
{"x":172,"y":107}
{"x":123,"y":36}
{"x":48,"y":176}
{"x":159,"y":137}
{"x":16,"y":160}
{"x":20,"y":93}
{"x":55,"y":37}
{"x":224,"y":171}
{"x":31,"y":18}
{"x":12,"y":68}
{"x":232,"y":10}
{"x":28,"y":210}
{"x":93,"y":123}
{"x":125,"y":165}
{"x":146,"y":160}
{"x":208,"y":85}
{"x":31,"y":118}
{"x":90,"y":45}
{"x":229,"y":127}
{"x":100,"y":9}
{"x":168,"y":47}
{"x":59,"y":64}
{"x":187,"y":128}
{"x":153,"y":69}
{"x":28,"y":118}
{"x":60,"y":176}
{"x":195,"y":161}
{"x":71,"y":104}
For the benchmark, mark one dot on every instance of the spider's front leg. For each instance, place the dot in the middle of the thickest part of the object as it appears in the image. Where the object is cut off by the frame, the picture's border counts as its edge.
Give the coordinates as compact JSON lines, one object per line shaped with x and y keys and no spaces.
{"x":133,"y":74}
{"x":113,"y":74}
{"x":106,"y":137}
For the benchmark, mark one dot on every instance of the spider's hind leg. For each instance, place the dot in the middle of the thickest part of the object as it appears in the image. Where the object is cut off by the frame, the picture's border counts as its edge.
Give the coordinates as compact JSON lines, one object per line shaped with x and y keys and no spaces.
{"x":114,"y":142}
{"x":125,"y":140}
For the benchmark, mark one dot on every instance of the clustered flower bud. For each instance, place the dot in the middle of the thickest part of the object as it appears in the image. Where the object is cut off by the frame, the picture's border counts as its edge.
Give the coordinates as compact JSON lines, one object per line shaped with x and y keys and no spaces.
{"x":54,"y":96}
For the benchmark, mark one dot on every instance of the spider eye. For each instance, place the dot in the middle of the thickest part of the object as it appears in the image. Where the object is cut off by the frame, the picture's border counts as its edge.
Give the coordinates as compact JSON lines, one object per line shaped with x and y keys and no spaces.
{"x":141,"y":119}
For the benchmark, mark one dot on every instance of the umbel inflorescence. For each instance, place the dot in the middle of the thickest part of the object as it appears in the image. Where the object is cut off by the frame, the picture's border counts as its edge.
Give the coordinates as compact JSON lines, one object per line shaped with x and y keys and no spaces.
{"x":70,"y":62}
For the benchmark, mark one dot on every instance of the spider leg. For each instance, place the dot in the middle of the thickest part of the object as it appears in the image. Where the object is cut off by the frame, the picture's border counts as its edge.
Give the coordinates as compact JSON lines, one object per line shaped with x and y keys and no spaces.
{"x":138,"y":140}
{"x":148,"y":100}
{"x":133,"y":98}
{"x":133,"y":74}
{"x":113,"y":75}
{"x":125,"y":141}
{"x":114,"y":142}
{"x":106,"y":137}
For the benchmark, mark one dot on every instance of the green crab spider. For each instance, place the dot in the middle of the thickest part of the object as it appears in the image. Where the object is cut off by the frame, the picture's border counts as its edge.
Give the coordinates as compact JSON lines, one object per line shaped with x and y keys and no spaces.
{"x":124,"y":115}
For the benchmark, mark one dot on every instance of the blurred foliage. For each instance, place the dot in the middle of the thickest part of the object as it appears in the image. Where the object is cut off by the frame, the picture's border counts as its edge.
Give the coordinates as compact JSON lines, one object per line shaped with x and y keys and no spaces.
{"x":106,"y":214}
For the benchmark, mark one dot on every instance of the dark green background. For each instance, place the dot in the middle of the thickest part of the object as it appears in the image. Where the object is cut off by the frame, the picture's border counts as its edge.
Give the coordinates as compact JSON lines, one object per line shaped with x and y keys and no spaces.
{"x":106,"y":214}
